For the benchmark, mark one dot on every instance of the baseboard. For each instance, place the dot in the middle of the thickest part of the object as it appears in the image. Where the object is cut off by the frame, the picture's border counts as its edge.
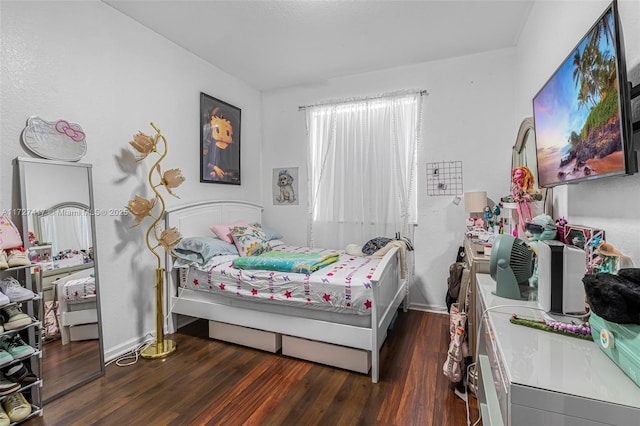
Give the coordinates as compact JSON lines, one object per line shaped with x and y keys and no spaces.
{"x":126,"y":347}
{"x":429,"y":308}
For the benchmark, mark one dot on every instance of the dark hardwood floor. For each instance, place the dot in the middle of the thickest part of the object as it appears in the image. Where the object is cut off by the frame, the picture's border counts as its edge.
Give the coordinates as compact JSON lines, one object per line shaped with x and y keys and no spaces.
{"x":216,"y":383}
{"x":72,"y":363}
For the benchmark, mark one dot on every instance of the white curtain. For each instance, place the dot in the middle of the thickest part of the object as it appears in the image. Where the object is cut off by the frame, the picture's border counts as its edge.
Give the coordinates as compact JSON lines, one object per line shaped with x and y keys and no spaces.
{"x":362,"y":169}
{"x":66,"y":229}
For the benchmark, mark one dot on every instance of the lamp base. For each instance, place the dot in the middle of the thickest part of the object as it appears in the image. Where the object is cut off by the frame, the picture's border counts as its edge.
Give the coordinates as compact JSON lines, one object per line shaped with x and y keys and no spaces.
{"x":151,"y":352}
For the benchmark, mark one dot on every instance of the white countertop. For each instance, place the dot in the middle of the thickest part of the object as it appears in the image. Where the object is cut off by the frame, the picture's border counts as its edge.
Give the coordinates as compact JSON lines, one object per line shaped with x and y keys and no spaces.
{"x":552,"y":361}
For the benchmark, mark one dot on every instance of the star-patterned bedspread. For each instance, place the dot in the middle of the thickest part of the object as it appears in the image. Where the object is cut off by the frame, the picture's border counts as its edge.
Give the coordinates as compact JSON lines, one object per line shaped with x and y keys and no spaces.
{"x":343,"y":286}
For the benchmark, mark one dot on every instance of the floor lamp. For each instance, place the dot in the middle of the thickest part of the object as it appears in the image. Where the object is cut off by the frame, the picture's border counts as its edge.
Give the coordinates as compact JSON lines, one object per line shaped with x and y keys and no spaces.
{"x":155,"y":238}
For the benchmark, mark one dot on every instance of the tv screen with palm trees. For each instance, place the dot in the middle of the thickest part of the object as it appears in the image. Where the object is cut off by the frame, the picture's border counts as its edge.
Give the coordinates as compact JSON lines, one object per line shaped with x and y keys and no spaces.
{"x":582,"y":114}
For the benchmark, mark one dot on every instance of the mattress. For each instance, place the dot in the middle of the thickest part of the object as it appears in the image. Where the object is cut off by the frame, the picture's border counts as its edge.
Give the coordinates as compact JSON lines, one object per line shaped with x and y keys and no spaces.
{"x":343,"y":287}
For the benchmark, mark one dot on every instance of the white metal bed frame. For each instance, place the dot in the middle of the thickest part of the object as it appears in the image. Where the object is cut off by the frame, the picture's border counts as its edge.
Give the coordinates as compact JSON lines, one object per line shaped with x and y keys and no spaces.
{"x":83,"y":316}
{"x":388,"y":289}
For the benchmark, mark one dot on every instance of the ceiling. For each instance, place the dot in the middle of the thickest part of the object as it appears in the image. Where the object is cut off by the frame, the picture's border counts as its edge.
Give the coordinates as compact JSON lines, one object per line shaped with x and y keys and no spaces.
{"x":273,"y":44}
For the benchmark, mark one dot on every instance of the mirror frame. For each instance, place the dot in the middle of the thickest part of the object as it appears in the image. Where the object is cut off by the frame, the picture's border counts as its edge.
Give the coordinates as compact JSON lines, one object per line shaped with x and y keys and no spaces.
{"x":516,"y":154}
{"x":517,"y":150}
{"x":21,"y":162}
{"x":37,"y":228}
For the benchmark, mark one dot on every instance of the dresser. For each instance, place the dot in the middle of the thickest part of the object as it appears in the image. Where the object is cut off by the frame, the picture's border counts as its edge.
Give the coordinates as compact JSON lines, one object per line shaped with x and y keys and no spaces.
{"x":477,"y":263}
{"x":530,"y":377}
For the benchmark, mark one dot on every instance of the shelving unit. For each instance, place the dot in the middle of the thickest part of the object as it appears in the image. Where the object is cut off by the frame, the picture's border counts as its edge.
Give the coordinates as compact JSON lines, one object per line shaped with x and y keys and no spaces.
{"x":30,"y":334}
{"x":41,"y":254}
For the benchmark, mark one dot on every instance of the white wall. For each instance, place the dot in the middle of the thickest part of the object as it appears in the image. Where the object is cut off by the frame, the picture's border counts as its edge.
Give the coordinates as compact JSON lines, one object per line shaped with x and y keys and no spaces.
{"x":468,"y":116}
{"x":87,"y":63}
{"x":111,"y":75}
{"x":551,"y":32}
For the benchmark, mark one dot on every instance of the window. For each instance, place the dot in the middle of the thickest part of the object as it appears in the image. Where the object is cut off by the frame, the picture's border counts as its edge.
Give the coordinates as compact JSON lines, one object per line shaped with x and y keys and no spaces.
{"x":362,"y":169}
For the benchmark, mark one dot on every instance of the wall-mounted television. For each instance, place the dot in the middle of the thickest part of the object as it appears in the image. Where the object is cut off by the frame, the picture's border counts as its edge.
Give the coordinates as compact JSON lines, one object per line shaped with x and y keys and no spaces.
{"x":582,"y":115}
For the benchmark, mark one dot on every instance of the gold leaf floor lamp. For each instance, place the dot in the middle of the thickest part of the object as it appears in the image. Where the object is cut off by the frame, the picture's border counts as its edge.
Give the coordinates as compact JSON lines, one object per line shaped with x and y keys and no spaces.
{"x":141,"y":208}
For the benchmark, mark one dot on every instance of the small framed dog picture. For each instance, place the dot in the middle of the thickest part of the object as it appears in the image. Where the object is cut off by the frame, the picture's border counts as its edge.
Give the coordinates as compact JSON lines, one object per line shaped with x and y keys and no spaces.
{"x":285,"y":186}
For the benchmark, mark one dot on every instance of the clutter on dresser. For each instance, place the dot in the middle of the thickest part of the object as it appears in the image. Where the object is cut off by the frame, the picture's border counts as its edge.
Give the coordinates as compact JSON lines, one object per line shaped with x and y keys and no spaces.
{"x":586,"y":238}
{"x":580,"y":330}
{"x":608,"y":259}
{"x":614,"y":300}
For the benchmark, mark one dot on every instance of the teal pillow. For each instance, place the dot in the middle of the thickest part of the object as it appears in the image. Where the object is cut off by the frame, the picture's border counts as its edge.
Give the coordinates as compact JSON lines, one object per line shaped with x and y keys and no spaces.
{"x":202,"y":249}
{"x":271,"y":233}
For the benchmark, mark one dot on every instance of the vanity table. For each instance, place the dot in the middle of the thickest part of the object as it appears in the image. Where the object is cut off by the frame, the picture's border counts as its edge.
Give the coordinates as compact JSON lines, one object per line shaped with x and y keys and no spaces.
{"x":477,"y":263}
{"x":533,"y":377}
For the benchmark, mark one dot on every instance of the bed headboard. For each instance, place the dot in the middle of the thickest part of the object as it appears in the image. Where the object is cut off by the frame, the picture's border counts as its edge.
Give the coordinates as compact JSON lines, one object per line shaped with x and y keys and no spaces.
{"x":195,"y":219}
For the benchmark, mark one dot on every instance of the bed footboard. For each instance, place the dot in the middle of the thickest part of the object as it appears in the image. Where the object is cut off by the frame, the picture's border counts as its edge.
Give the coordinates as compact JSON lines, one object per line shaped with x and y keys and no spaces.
{"x":389,"y":291}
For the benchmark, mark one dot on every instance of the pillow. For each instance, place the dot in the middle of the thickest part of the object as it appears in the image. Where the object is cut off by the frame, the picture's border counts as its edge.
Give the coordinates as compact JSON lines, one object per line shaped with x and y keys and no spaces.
{"x":271,"y":233}
{"x":249,"y":240}
{"x":222,"y":231}
{"x":201,"y":249}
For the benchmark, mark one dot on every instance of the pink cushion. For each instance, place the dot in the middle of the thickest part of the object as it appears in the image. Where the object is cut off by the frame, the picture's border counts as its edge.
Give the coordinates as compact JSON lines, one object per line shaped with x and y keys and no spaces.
{"x":224,"y":231}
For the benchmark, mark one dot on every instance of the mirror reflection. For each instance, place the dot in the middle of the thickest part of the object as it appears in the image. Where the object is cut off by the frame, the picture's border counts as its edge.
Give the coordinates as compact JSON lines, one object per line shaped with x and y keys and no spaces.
{"x":62,"y":236}
{"x":524,"y":154}
{"x":62,"y":246}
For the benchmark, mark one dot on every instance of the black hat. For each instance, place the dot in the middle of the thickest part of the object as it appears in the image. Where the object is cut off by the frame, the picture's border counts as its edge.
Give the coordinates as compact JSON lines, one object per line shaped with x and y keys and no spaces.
{"x":615,"y":298}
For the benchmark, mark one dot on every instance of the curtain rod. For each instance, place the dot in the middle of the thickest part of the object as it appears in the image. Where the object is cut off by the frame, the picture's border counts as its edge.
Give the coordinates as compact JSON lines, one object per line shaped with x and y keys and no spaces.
{"x":365,"y":98}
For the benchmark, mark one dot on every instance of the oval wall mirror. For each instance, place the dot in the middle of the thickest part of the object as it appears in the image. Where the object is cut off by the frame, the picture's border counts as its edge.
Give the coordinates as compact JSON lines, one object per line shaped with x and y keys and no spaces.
{"x":524,"y":154}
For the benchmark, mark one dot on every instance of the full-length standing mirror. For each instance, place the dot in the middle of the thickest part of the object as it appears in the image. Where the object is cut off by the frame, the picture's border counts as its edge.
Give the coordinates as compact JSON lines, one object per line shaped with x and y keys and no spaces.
{"x":57,"y":202}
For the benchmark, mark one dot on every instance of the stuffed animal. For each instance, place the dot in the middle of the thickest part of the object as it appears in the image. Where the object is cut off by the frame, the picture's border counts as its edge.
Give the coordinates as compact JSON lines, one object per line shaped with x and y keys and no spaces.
{"x":285,"y":182}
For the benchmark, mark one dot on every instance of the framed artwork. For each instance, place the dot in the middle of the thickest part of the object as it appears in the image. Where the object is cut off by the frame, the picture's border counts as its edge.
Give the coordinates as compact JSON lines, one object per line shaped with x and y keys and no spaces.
{"x":285,"y":186}
{"x":219,"y":141}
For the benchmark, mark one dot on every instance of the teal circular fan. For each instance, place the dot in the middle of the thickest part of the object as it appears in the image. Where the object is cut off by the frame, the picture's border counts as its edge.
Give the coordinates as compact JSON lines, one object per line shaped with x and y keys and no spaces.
{"x":511,"y":265}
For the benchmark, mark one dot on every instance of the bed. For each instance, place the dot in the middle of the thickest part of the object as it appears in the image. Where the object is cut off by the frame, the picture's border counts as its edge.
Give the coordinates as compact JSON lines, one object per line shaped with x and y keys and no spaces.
{"x":77,"y":308}
{"x":307,"y":325}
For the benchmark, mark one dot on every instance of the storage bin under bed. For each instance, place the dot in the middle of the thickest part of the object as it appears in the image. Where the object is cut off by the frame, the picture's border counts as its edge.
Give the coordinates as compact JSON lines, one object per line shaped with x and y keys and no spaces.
{"x":324,"y":353}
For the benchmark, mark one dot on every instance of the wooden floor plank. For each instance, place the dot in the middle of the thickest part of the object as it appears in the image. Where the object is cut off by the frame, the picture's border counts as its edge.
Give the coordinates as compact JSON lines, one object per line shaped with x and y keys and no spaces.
{"x":208,"y":382}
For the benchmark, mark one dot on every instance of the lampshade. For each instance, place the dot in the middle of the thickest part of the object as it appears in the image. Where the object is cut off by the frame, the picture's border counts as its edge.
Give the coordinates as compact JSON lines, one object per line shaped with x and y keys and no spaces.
{"x":475,"y":201}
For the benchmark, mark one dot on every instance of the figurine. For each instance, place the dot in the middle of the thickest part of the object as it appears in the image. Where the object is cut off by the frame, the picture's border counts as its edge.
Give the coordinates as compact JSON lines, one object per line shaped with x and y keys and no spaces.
{"x":608,"y":259}
{"x":488,"y":218}
{"x":560,"y":224}
{"x":522,"y":192}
